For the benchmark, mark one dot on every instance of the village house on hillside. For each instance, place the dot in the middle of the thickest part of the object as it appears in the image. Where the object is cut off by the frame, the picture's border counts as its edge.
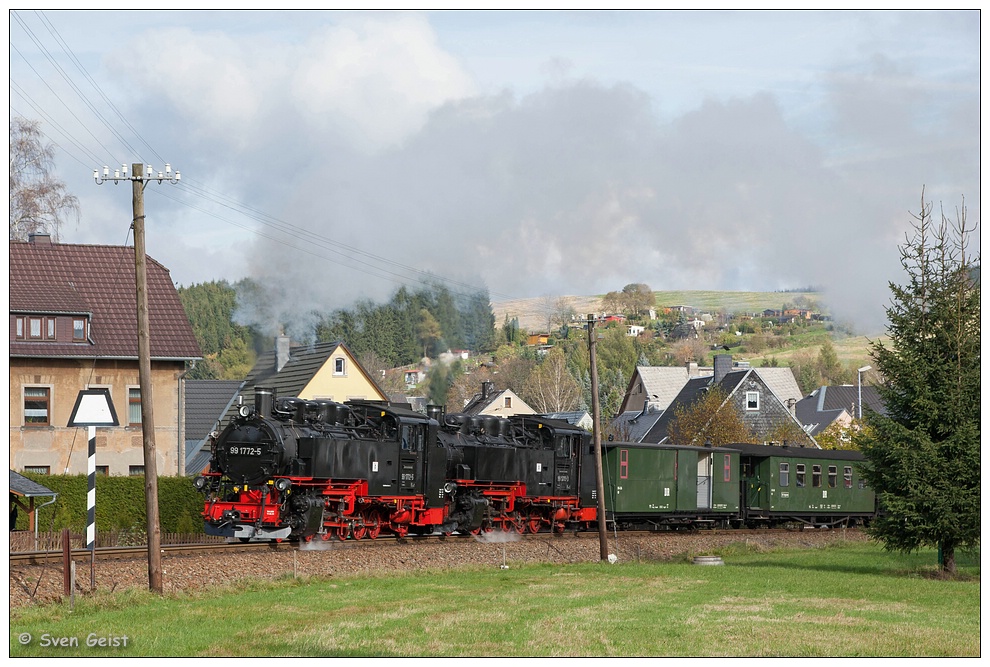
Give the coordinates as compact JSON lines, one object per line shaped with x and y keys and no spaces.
{"x":73,"y":326}
{"x":326,"y":371}
{"x":502,"y":403}
{"x":757,"y":399}
{"x":836,"y":405}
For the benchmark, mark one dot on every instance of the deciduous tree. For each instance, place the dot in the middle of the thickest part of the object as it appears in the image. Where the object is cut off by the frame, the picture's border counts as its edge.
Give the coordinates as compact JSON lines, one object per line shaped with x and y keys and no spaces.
{"x":708,"y":419}
{"x":39,"y":202}
{"x":551,"y":387}
{"x":924,"y":454}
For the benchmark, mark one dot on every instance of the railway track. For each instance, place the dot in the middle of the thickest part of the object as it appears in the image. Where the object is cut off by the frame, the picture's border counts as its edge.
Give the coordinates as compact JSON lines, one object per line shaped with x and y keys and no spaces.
{"x":137,"y":552}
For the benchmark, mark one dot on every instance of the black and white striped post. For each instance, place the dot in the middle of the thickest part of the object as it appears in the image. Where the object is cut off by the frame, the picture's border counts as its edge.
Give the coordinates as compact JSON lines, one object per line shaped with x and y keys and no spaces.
{"x":93,"y":408}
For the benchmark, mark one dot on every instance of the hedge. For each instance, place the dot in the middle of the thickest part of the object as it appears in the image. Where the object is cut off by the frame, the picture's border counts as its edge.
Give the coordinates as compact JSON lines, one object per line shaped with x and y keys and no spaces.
{"x":120,"y":504}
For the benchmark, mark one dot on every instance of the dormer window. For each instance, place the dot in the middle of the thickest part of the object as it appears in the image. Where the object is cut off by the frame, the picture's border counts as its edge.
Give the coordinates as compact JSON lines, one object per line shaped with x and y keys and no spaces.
{"x":35,"y":328}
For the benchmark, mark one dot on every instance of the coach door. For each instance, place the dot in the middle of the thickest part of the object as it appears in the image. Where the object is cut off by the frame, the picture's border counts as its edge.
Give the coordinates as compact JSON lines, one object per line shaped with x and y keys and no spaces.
{"x":704,"y":480}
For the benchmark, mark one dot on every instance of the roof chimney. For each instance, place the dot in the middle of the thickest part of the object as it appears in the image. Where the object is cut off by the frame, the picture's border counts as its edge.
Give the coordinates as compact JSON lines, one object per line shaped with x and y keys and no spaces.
{"x":487,"y":388}
{"x":281,"y":351}
{"x":40,"y":238}
{"x":692,"y":369}
{"x":723,"y":365}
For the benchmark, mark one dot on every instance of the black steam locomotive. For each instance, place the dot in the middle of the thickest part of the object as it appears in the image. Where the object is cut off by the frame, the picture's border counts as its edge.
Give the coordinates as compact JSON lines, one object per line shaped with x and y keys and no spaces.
{"x":288,"y":468}
{"x":292,"y":468}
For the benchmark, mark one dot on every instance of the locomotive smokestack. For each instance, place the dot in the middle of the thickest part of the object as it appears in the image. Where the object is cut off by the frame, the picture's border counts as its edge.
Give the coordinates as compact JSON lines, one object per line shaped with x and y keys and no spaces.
{"x":281,"y":351}
{"x":263,"y":401}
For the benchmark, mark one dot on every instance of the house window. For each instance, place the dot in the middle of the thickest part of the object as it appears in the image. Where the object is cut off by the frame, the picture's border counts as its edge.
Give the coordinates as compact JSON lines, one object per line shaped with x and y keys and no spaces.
{"x":38,"y":470}
{"x":19,"y":333}
{"x":338,"y":366}
{"x":847,"y":477}
{"x":785,"y":469}
{"x":816,"y":476}
{"x":135,"y":471}
{"x":508,"y":401}
{"x":833,"y":476}
{"x":50,"y":328}
{"x":799,"y":476}
{"x":103,"y":470}
{"x":37,"y":406}
{"x":133,"y":406}
{"x":752,"y":400}
{"x":34,"y":328}
{"x":78,"y":329}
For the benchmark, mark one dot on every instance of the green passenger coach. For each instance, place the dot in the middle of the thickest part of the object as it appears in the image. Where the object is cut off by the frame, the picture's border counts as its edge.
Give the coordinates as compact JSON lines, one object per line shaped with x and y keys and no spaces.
{"x":654,"y":486}
{"x":803,"y":485}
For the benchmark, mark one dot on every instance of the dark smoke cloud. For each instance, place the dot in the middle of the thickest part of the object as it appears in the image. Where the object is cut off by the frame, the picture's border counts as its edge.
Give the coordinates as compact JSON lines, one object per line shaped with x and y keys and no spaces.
{"x":581,"y":188}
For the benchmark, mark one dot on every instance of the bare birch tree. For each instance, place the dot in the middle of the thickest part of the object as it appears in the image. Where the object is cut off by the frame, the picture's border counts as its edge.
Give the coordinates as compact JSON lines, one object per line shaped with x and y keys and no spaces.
{"x":39,"y":202}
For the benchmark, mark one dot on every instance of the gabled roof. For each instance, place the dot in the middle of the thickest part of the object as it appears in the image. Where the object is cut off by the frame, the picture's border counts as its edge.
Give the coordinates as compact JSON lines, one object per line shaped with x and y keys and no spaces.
{"x":660,"y":383}
{"x":493,"y":404}
{"x":692,"y":391}
{"x":97,"y":281}
{"x":781,"y":382}
{"x":635,"y":425}
{"x":819,"y":409}
{"x":303,"y":364}
{"x":206,"y":402}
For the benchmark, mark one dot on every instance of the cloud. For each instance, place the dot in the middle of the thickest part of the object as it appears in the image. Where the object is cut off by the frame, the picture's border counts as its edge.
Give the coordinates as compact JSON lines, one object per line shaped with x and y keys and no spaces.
{"x":374,"y":144}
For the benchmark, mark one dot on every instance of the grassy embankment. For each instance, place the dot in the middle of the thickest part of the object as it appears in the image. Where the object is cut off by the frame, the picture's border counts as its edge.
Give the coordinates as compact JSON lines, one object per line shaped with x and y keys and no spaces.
{"x":847,"y":600}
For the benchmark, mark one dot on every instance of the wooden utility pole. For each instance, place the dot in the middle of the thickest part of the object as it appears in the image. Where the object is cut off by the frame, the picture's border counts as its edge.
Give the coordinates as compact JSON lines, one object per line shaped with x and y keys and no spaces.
{"x":597,"y":431}
{"x":144,"y":375}
{"x":140,"y":177}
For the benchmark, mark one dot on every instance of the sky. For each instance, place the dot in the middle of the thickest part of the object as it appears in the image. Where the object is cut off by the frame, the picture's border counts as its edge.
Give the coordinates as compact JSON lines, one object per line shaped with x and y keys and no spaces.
{"x":335,"y":156}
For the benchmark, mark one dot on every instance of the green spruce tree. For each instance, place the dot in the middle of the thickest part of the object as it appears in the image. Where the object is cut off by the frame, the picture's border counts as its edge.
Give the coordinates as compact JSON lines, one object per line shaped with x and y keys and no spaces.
{"x":924,"y":454}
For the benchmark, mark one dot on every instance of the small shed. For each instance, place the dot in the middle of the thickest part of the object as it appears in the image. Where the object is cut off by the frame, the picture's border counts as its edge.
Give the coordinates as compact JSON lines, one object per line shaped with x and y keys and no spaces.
{"x":21,"y":489}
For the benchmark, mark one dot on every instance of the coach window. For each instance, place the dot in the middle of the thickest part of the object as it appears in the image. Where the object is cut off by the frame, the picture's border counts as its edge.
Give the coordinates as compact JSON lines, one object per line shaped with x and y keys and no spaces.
{"x":833,"y":476}
{"x":785,"y":469}
{"x":847,"y":477}
{"x":727,"y":468}
{"x":623,"y":464}
{"x":816,"y":476}
{"x":799,"y":475}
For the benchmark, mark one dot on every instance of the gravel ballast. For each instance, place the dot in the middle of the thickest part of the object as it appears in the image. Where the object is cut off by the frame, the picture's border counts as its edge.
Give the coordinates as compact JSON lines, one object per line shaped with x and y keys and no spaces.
{"x":336,"y":559}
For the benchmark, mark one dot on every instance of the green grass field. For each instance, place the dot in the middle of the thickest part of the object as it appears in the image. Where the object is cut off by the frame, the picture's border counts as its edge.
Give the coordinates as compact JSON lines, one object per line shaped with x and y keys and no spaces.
{"x":848,"y":600}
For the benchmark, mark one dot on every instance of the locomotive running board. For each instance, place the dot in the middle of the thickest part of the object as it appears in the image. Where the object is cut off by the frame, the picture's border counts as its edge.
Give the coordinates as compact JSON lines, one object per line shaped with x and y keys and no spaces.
{"x":251,"y":533}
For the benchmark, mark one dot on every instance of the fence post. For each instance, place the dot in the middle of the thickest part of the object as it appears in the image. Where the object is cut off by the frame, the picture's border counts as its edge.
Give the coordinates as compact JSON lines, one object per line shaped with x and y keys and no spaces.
{"x":66,"y":560}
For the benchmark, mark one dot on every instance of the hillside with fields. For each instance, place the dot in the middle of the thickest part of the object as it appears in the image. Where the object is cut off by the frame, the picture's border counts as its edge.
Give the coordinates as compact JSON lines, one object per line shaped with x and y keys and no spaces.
{"x":852,"y":350}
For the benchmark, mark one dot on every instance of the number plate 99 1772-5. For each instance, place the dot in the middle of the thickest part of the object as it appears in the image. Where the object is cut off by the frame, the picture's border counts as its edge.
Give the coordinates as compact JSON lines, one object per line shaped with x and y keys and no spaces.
{"x":234,"y":450}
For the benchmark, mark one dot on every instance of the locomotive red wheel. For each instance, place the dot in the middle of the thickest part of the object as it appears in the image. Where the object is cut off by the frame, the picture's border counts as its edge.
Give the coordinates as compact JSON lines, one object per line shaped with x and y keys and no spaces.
{"x":520,"y":524}
{"x":360,"y":530}
{"x":374,"y":526}
{"x":343,"y":532}
{"x":534,"y":524}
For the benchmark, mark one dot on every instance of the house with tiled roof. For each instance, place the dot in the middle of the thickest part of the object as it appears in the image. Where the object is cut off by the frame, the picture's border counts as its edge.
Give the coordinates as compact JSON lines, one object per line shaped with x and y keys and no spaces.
{"x":499,"y":403}
{"x":839,"y":404}
{"x":73,"y":326}
{"x":327,"y":371}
